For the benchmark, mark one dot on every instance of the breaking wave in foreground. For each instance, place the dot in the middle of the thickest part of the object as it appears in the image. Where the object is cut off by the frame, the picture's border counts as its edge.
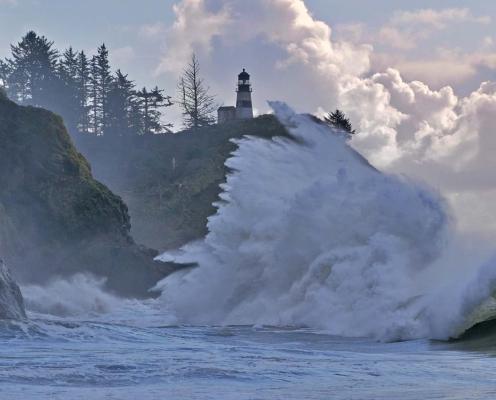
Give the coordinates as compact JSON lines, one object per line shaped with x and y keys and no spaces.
{"x":309,"y":234}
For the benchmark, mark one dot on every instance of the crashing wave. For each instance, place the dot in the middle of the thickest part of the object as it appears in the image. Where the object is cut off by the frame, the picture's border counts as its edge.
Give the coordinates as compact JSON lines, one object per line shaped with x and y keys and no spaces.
{"x":78,"y":295}
{"x":309,"y":234}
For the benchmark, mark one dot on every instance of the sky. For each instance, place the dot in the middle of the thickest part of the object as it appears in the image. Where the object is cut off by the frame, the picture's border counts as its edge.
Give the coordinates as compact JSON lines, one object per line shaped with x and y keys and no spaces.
{"x":414,"y":77}
{"x":128,"y":27}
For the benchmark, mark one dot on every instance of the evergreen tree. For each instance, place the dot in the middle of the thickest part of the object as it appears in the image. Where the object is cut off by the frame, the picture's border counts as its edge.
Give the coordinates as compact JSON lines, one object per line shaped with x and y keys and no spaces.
{"x":30,"y":74}
{"x":3,"y":92}
{"x":68,"y":67}
{"x":338,"y":120}
{"x":94,"y":107}
{"x":120,"y":105}
{"x":101,"y":84}
{"x":68,"y":91}
{"x":150,"y":103}
{"x":105,"y":82}
{"x":4,"y":75}
{"x":82,"y":89}
{"x":197,"y":104}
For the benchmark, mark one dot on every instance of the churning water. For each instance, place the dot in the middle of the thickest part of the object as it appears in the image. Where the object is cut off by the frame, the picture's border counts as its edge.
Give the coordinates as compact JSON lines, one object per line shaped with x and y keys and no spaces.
{"x":320,"y":278}
{"x":310,"y":235}
{"x":127,"y":352}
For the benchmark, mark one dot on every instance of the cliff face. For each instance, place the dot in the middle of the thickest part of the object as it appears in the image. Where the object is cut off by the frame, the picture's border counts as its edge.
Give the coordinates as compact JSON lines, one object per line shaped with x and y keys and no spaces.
{"x":169,"y":182}
{"x":55,"y":219}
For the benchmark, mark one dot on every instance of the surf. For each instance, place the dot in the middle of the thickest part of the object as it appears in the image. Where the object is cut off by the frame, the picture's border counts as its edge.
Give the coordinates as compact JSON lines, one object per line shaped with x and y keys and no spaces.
{"x":308,"y":233}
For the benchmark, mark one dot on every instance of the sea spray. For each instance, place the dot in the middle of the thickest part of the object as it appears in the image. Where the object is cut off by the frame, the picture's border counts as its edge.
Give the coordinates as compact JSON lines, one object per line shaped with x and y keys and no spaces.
{"x":308,"y":233}
{"x":78,"y":295}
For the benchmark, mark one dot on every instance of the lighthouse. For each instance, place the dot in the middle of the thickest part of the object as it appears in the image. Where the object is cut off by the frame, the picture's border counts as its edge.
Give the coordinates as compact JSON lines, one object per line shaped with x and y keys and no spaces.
{"x":244,"y":108}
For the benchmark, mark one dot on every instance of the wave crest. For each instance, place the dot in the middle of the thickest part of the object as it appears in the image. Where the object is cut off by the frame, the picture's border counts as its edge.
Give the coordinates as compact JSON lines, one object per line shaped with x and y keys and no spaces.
{"x":309,"y":234}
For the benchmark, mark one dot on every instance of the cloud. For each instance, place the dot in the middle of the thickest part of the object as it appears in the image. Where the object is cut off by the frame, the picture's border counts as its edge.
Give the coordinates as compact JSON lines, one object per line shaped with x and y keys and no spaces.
{"x":443,"y":67}
{"x":437,"y":72}
{"x":433,"y":135}
{"x":286,"y":23}
{"x":153,"y":30}
{"x":406,"y":28}
{"x":193,"y":29}
{"x":402,"y":42}
{"x":437,"y":19}
{"x":398,"y":38}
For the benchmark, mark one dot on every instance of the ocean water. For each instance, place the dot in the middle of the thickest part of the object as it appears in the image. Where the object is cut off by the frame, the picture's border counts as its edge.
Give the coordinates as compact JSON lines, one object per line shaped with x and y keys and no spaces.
{"x":128,"y":354}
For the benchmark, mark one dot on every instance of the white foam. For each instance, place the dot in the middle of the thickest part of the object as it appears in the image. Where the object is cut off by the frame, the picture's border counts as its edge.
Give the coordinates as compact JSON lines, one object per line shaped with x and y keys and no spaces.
{"x":310,"y":234}
{"x":79,"y":295}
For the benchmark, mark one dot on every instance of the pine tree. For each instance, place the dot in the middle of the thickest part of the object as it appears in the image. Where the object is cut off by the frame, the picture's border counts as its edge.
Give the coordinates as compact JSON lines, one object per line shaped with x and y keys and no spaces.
{"x":82,"y":89}
{"x":4,"y":75}
{"x":338,"y":120}
{"x":68,"y":67}
{"x":30,"y":74}
{"x":120,"y":105}
{"x":101,"y":84}
{"x":94,"y":107}
{"x":105,"y":82}
{"x":150,"y":103}
{"x":68,"y":91}
{"x":197,"y":104}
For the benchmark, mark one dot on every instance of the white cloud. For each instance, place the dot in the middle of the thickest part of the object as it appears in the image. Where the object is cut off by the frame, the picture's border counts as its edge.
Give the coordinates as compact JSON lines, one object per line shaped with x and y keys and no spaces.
{"x":436,"y":72}
{"x":153,"y":30}
{"x":402,"y":41}
{"x":437,"y":19}
{"x":488,"y":42}
{"x":194,"y":28}
{"x":443,"y":67}
{"x":398,"y":38}
{"x":286,"y":23}
{"x":407,"y":28}
{"x":446,"y":140}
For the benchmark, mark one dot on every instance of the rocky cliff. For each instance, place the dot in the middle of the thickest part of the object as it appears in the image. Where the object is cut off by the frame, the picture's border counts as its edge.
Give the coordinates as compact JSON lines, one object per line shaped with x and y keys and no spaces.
{"x":55,"y":218}
{"x":169,"y":182}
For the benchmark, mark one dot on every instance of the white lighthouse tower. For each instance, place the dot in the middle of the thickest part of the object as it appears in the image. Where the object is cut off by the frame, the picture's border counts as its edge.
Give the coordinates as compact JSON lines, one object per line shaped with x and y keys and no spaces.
{"x":244,"y":108}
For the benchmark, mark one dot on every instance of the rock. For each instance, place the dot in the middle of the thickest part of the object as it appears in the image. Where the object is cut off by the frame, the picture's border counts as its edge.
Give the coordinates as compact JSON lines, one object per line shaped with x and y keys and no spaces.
{"x":56,"y":220}
{"x":11,"y":301}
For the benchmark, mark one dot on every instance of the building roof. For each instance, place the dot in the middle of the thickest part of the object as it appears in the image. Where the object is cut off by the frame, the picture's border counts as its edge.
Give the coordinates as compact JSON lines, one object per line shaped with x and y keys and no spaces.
{"x":226,"y":108}
{"x":244,"y":76}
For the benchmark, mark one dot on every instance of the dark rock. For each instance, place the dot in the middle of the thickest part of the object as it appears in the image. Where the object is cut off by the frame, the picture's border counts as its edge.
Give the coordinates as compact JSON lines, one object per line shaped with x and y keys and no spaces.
{"x":55,"y":218}
{"x":11,"y":301}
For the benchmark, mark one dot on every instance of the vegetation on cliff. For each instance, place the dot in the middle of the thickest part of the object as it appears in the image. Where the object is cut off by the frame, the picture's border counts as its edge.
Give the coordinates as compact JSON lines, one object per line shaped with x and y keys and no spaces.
{"x":54,"y":217}
{"x":169,"y":182}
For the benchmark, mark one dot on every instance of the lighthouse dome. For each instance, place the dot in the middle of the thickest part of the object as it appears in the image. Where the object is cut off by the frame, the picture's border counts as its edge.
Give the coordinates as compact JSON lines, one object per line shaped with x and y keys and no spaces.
{"x":244,"y":76}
